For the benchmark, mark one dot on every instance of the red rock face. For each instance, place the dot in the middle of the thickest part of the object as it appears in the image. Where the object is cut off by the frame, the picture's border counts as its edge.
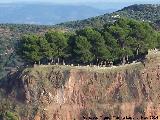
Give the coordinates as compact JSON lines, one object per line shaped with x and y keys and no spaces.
{"x":78,"y":94}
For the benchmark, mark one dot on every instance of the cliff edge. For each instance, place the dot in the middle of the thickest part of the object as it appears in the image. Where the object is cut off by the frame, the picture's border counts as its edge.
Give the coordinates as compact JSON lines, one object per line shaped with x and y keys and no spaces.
{"x":83,"y":93}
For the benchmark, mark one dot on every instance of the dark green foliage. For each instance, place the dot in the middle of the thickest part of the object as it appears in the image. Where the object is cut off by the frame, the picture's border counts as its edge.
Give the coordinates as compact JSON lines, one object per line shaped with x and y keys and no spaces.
{"x":82,"y":50}
{"x":31,"y":48}
{"x":11,"y":116}
{"x":6,"y":110}
{"x":119,"y":41}
{"x":45,"y":48}
{"x":58,"y":42}
{"x":99,"y":48}
{"x":8,"y":116}
{"x":130,"y":37}
{"x":34,"y":48}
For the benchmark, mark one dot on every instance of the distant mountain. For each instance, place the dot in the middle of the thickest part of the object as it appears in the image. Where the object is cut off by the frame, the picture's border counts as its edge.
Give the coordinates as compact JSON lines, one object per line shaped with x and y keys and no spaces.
{"x":45,"y":14}
{"x":144,"y":12}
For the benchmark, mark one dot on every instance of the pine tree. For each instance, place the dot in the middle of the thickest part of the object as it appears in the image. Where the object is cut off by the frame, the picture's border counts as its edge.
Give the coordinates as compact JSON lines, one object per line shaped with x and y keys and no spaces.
{"x":82,"y":50}
{"x":58,"y":43}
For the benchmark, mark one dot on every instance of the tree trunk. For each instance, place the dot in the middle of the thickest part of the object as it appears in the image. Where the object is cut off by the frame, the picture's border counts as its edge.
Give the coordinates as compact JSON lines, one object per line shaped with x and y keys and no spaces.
{"x":127,"y":59}
{"x":137,"y":51}
{"x":97,"y":62}
{"x":111,"y":63}
{"x":52,"y":61}
{"x":101,"y":64}
{"x":123,"y":60}
{"x":105,"y":63}
{"x":58,"y":61}
{"x":63,"y":62}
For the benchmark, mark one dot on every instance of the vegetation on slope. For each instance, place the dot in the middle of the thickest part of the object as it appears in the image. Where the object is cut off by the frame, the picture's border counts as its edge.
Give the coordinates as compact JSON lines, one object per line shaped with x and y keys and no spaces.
{"x":9,"y":35}
{"x":144,"y":12}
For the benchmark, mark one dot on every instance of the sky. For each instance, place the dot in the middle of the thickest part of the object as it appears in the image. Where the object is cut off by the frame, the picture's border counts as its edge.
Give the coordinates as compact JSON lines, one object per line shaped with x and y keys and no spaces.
{"x":80,"y":1}
{"x":99,"y":4}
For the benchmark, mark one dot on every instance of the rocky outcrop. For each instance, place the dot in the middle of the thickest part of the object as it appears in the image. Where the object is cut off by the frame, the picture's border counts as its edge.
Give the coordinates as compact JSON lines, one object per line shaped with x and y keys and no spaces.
{"x":83,"y":93}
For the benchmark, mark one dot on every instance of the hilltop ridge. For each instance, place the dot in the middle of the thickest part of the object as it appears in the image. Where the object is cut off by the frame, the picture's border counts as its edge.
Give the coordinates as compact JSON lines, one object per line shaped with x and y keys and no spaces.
{"x":144,"y":12}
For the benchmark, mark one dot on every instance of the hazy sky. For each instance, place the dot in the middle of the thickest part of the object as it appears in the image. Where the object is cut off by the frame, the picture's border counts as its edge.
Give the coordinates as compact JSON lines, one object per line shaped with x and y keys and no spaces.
{"x":100,"y":4}
{"x":79,"y":1}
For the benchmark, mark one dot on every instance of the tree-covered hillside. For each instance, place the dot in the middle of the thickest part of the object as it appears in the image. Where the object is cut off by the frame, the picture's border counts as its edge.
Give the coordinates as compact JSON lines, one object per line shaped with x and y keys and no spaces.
{"x":144,"y":12}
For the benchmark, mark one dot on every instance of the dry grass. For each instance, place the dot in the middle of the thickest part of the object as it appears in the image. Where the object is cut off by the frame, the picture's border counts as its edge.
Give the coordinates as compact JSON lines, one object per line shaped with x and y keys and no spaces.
{"x":46,"y":68}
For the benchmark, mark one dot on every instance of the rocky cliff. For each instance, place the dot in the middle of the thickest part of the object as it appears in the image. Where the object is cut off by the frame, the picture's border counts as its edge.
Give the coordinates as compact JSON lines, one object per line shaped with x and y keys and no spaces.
{"x":89,"y":93}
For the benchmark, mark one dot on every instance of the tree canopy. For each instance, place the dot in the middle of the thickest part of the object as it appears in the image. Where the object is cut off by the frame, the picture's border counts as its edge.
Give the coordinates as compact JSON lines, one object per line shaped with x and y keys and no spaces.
{"x":118,"y":41}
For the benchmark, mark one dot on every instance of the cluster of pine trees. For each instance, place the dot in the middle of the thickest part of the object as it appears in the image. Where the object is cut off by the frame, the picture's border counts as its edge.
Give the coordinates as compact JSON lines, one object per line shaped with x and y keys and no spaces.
{"x":119,"y":42}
